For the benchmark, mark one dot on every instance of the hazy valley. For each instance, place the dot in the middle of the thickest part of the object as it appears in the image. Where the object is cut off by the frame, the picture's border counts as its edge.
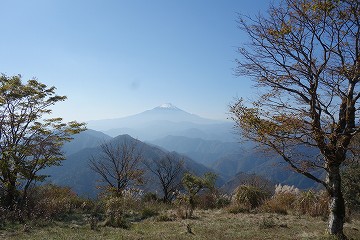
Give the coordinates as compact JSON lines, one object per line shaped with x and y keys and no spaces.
{"x":205,"y":145}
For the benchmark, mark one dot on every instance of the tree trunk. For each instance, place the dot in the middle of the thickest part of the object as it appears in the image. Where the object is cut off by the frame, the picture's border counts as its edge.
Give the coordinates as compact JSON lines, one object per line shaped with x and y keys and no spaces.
{"x":24,"y":195}
{"x":166,"y":198}
{"x":336,"y":203}
{"x":11,"y":195}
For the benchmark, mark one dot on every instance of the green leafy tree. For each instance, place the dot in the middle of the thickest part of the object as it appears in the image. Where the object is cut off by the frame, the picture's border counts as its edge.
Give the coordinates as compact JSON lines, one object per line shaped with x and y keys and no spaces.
{"x":194,"y":184}
{"x":28,"y":142}
{"x":304,"y":56}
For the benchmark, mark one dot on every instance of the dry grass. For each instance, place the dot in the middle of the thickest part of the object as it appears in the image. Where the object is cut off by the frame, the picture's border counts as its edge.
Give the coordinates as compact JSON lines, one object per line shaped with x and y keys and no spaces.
{"x":207,"y":224}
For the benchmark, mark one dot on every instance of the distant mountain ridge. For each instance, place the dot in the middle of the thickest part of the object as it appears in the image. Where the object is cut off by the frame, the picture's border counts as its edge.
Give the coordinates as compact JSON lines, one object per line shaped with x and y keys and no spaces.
{"x":164,"y":120}
{"x":76,"y":173}
{"x":227,"y":159}
{"x":87,"y":139}
{"x":207,"y":144}
{"x":230,"y":158}
{"x":164,"y":112}
{"x":206,"y":152}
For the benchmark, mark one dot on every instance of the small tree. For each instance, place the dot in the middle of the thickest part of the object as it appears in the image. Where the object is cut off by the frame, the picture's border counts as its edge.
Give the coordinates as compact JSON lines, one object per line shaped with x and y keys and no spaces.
{"x":28,"y":142}
{"x":305,"y":55}
{"x":118,"y":164}
{"x":168,"y":171}
{"x":194,"y":184}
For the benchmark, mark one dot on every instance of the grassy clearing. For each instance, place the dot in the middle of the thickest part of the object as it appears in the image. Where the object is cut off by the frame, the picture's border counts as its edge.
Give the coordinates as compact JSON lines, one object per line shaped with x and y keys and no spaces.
{"x":212,"y":224}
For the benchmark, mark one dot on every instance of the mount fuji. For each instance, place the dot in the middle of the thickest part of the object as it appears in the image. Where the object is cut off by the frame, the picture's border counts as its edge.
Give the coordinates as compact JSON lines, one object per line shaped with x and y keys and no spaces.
{"x":162,"y":121}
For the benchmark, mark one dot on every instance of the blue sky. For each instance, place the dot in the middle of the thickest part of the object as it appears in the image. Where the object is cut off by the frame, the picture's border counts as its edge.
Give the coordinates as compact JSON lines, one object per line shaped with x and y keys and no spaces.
{"x":116,"y":58}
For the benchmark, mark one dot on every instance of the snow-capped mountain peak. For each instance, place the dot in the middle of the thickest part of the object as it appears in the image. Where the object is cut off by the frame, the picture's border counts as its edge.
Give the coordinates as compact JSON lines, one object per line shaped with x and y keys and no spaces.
{"x":167,"y":106}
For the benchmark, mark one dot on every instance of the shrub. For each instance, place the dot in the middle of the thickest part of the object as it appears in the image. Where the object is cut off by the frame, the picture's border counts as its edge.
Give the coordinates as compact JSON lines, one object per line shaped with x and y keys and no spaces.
{"x":89,"y":206}
{"x":150,"y":197}
{"x":350,"y":185}
{"x":130,"y":205}
{"x":212,"y":199}
{"x":149,"y":211}
{"x":222,"y":201}
{"x":206,"y":200}
{"x":289,"y":199}
{"x":237,"y":208}
{"x":50,"y":201}
{"x":129,"y":199}
{"x":312,"y":203}
{"x":184,"y":208}
{"x":249,"y":196}
{"x":282,"y":201}
{"x":115,"y":210}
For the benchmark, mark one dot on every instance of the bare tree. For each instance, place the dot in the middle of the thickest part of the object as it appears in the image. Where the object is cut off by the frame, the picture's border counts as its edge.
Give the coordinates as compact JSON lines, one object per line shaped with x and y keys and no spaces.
{"x":169,"y":171}
{"x":118,"y":164}
{"x":305,"y":55}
